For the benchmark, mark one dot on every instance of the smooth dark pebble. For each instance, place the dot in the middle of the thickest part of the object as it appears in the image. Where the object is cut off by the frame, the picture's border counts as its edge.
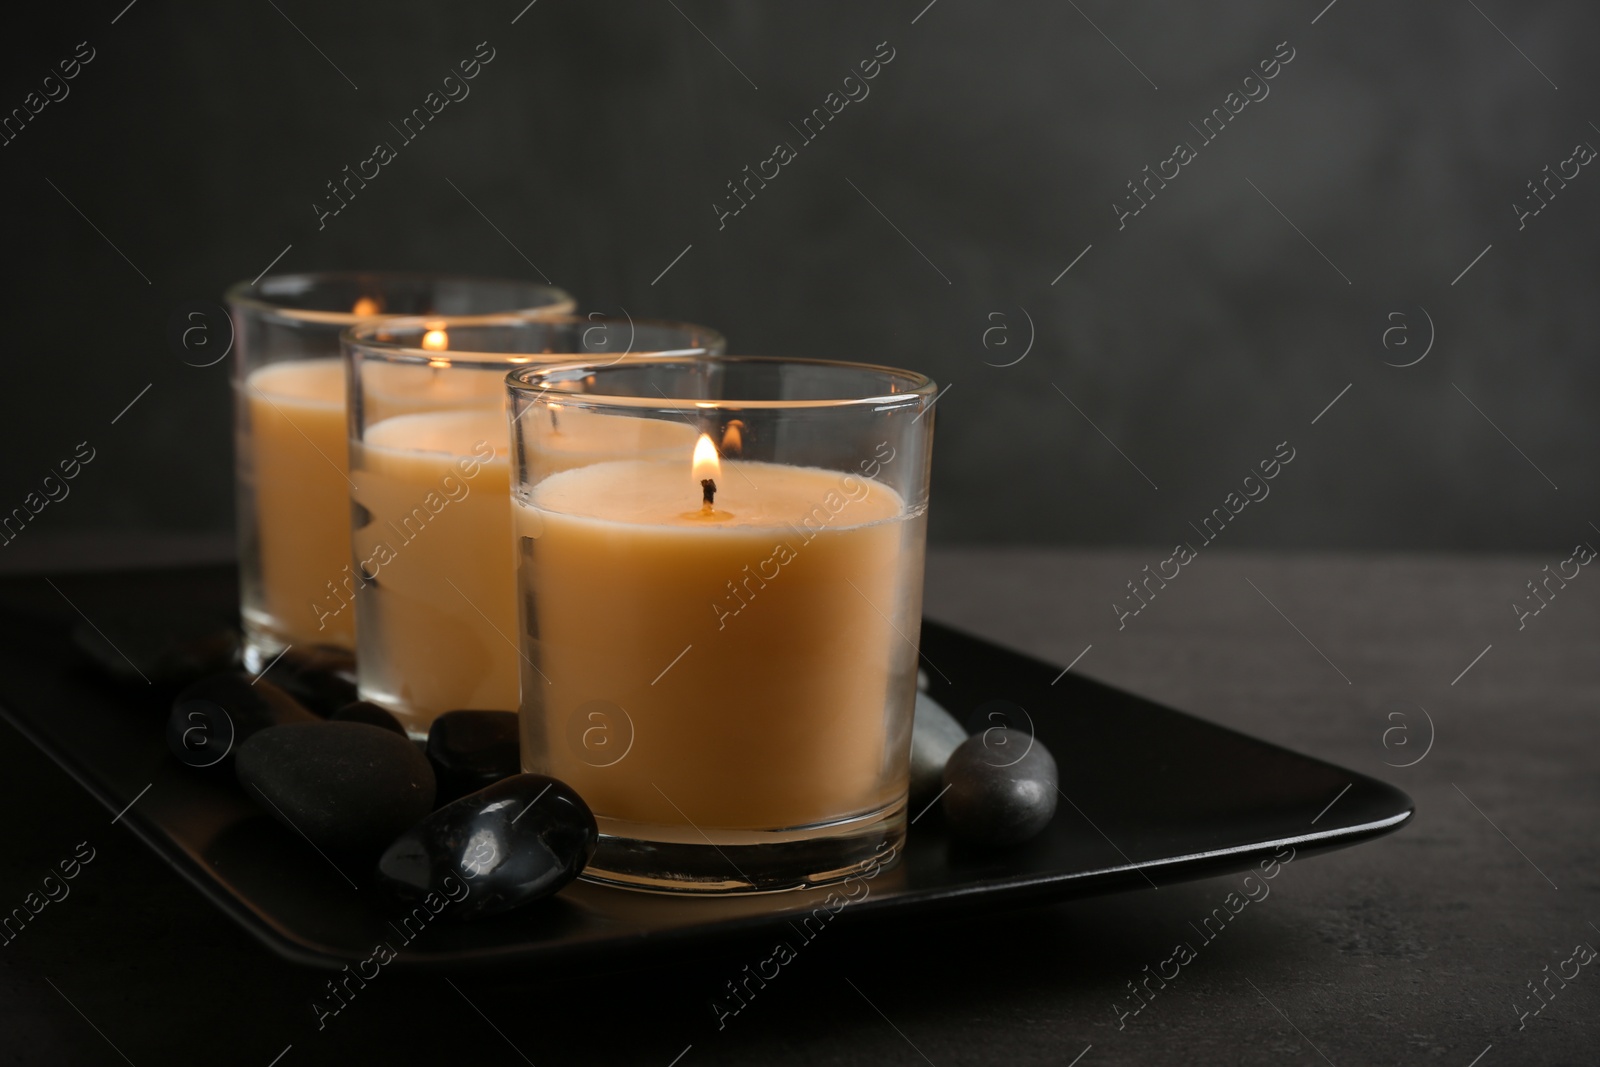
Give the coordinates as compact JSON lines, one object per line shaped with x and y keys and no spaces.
{"x":347,"y":786}
{"x":210,"y":718}
{"x":517,"y":841}
{"x":1001,"y":788}
{"x":371,"y":714}
{"x":473,"y":749}
{"x":321,"y":677}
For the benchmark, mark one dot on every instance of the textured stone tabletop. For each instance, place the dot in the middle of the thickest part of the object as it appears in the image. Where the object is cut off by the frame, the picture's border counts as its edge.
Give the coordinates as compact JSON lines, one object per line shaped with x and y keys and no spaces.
{"x":1424,"y":947}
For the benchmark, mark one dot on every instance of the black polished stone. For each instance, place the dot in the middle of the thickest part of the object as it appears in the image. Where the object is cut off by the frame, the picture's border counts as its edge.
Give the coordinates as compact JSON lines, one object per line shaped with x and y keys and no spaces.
{"x":349,"y":787}
{"x":321,"y":677}
{"x":517,"y":841}
{"x":371,"y":714}
{"x":473,"y":749}
{"x":1000,"y":787}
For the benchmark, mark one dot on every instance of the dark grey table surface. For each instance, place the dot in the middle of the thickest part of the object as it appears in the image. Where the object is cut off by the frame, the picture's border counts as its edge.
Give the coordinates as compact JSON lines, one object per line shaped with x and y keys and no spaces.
{"x":1424,"y":947}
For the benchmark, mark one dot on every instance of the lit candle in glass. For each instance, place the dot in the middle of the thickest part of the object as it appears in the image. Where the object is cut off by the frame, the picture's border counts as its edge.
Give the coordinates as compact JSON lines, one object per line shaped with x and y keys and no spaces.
{"x":291,"y":451}
{"x":436,"y":613}
{"x":720,"y":651}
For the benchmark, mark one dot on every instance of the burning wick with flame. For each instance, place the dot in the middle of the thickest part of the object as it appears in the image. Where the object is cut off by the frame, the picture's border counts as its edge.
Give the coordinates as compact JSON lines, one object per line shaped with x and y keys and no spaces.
{"x":707,"y":465}
{"x":436,"y":340}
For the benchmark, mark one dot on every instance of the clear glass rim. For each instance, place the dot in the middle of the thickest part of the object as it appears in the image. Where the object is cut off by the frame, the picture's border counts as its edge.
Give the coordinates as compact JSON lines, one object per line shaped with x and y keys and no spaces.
{"x":249,"y":295}
{"x":542,"y":380}
{"x":361,"y":337}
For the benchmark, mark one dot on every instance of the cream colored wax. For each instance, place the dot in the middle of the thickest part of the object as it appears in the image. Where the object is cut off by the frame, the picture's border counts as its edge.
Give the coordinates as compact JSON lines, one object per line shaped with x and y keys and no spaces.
{"x":437,"y":611}
{"x":437,"y":601}
{"x":299,"y":459}
{"x":753,"y":654}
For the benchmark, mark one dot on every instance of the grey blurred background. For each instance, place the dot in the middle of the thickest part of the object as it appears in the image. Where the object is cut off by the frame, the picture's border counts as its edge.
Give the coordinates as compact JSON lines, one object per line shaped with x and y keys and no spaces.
{"x":928,"y":225}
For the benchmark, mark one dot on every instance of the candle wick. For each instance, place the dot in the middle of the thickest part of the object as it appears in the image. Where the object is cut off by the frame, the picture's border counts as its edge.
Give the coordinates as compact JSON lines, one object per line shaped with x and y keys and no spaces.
{"x":708,"y":489}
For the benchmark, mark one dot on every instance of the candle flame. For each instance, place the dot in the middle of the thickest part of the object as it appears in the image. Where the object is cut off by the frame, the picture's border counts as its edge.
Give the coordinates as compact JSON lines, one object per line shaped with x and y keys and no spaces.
{"x":707,"y":464}
{"x":365,"y":307}
{"x":436,"y":340}
{"x":733,"y":437}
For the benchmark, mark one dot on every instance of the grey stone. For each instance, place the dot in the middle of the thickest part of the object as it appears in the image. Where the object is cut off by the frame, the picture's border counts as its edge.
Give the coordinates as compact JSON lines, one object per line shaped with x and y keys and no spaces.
{"x":935,"y":734}
{"x":349,"y":787}
{"x":1001,"y":788}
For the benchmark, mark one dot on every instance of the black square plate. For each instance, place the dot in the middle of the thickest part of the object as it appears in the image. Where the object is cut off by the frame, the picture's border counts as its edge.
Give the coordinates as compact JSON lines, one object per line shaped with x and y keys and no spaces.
{"x":1153,"y":796}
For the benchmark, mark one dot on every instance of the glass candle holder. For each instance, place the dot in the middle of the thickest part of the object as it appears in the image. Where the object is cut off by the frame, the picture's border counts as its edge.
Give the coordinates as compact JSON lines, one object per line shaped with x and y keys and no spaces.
{"x":290,"y":452}
{"x":720,"y":643}
{"x":435,"y":583}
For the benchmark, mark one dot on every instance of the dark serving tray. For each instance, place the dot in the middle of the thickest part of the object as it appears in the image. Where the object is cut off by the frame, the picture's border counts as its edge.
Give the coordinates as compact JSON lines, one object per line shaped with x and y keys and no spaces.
{"x":1153,"y":796}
